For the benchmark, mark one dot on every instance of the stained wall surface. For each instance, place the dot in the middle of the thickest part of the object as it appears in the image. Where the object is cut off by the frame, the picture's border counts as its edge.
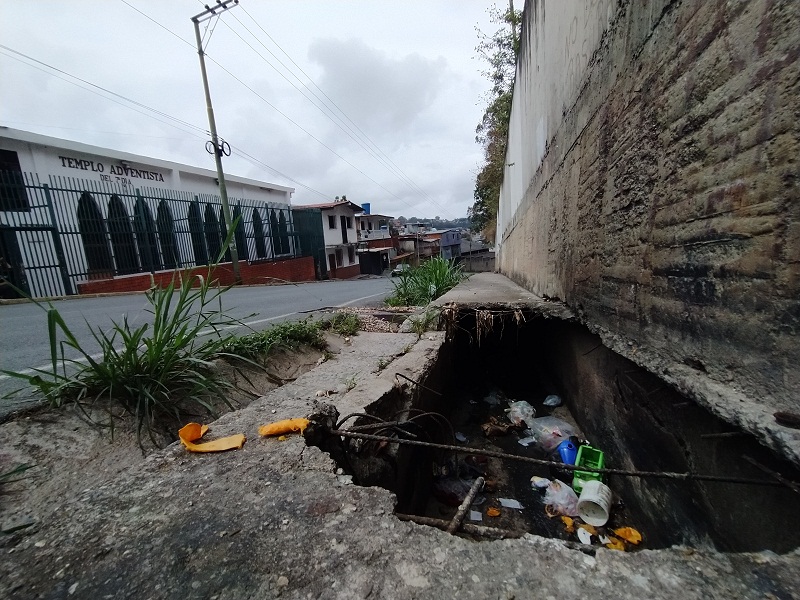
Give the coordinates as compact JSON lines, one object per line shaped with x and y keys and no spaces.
{"x":652,"y":180}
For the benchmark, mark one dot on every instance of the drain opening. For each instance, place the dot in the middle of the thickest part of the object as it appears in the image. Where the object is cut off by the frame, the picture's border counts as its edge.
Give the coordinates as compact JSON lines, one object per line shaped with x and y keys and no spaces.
{"x":639,"y":422}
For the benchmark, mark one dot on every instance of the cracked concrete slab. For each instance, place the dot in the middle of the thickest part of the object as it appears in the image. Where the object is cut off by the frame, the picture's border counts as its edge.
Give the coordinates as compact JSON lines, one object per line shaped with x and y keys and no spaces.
{"x":276,"y":519}
{"x":731,"y":404}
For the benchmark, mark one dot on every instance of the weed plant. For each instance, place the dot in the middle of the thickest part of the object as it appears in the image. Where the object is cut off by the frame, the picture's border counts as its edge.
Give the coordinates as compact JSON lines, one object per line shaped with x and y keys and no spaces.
{"x":343,"y":323}
{"x":290,"y":335}
{"x":156,"y":372}
{"x":419,"y":286}
{"x":160,"y":373}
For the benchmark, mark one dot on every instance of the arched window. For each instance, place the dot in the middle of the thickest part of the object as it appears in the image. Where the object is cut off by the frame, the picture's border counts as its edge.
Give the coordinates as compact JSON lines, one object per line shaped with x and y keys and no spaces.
{"x":283,"y":231}
{"x":273,"y":233}
{"x":241,"y":239}
{"x":212,"y":233}
{"x":121,"y":232}
{"x":93,"y":236}
{"x":196,"y":231}
{"x":146,"y":238}
{"x":166,"y":234}
{"x":258,"y":234}
{"x":223,"y":232}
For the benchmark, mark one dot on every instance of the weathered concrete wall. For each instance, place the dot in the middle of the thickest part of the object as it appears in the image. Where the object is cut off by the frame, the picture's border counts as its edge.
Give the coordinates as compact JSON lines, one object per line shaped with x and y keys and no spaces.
{"x":653,"y":180}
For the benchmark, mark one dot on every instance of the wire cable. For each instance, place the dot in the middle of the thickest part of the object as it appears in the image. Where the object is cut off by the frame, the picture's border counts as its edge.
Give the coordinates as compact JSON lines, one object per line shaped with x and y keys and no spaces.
{"x":332,"y":103}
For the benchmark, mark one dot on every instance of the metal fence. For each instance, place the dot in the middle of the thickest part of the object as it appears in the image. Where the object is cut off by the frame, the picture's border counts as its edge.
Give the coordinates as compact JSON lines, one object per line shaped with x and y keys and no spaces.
{"x":56,"y":235}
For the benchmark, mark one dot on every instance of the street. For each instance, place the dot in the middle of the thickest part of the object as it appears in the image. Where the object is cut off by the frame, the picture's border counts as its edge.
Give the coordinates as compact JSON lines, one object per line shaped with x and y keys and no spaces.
{"x":24,"y":344}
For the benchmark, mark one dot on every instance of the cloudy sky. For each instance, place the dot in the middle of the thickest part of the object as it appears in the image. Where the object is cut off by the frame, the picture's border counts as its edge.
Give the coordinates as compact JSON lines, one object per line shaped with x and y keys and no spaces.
{"x":398,"y":83}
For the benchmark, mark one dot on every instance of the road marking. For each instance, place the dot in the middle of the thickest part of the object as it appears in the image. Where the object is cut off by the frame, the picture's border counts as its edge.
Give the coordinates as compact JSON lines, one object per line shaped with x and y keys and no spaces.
{"x":349,"y":302}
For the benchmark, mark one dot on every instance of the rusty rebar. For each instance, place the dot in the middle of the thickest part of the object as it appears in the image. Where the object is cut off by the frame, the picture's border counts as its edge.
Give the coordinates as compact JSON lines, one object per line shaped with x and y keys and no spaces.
{"x":777,"y":476}
{"x":482,"y":530}
{"x":417,"y":383}
{"x":477,"y":485}
{"x":563,"y":466}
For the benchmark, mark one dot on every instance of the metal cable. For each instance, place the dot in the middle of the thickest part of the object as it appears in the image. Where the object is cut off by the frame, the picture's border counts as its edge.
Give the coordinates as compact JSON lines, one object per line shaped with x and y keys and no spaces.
{"x":539,"y":461}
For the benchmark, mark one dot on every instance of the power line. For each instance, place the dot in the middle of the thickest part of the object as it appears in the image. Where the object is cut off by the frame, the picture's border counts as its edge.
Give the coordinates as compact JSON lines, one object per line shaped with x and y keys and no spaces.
{"x":63,"y":75}
{"x":304,"y":130}
{"x":385,"y":162}
{"x":118,"y":98}
{"x":397,"y":170}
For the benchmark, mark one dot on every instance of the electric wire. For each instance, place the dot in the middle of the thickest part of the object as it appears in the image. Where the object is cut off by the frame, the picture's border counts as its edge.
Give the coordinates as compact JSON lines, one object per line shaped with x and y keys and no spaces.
{"x":332,"y":103}
{"x":304,"y":130}
{"x":119,"y":98}
{"x":97,"y":93}
{"x":107,"y":91}
{"x":329,"y":114}
{"x":688,"y":476}
{"x":392,"y":194}
{"x":278,"y":110}
{"x":362,"y":140}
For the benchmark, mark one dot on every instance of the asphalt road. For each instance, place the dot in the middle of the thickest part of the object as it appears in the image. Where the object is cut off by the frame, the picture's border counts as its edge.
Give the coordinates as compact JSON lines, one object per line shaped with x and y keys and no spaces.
{"x":24,"y":342}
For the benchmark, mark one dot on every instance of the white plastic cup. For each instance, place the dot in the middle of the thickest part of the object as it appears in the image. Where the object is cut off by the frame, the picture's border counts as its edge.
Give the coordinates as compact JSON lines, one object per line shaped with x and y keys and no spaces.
{"x":594,"y":504}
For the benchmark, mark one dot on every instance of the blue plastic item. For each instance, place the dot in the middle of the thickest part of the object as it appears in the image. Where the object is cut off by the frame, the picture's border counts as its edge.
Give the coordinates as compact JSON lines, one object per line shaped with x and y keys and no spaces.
{"x":568,"y":452}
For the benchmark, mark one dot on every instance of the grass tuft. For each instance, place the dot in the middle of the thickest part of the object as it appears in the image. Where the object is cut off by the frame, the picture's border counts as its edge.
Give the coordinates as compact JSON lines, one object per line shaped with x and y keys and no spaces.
{"x":289,"y":335}
{"x":343,"y":323}
{"x":419,"y":286}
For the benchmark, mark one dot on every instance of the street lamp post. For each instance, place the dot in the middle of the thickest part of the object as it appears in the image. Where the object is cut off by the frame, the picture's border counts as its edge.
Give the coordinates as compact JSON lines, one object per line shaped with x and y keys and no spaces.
{"x":218,"y":148}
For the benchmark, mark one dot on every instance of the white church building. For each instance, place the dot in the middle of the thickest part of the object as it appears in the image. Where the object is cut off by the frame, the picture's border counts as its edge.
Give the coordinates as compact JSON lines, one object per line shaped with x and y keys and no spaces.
{"x":71,"y":213}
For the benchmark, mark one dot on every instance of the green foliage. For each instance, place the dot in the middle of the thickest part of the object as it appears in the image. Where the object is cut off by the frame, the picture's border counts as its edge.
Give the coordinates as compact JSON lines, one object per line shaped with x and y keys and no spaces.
{"x":419,"y":286}
{"x":424,"y":322}
{"x":500,"y":51}
{"x":13,"y":475}
{"x":156,"y":372}
{"x":289,"y":335}
{"x":343,"y":323}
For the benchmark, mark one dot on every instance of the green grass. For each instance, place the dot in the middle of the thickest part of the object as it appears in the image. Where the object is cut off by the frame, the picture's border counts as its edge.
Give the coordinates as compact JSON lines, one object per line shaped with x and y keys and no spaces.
{"x":424,"y":322}
{"x":419,"y":286}
{"x":343,"y":323}
{"x":13,"y":475}
{"x":289,"y":335}
{"x":159,"y":373}
{"x":156,"y":372}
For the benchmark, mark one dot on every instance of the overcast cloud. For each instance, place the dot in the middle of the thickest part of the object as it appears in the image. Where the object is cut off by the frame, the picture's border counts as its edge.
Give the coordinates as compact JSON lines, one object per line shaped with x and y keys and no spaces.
{"x":403,"y":72}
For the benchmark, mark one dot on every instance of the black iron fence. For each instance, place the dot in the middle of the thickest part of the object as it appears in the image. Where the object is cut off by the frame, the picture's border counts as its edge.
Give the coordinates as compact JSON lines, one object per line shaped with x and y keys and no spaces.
{"x":58,"y":234}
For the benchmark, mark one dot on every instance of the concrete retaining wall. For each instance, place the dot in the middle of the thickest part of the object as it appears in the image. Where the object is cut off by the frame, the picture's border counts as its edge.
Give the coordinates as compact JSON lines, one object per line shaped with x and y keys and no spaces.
{"x":652,"y":180}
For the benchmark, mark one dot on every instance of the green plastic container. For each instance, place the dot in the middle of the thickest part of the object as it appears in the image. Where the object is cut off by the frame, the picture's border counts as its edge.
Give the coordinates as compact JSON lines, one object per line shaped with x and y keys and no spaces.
{"x":587,"y":457}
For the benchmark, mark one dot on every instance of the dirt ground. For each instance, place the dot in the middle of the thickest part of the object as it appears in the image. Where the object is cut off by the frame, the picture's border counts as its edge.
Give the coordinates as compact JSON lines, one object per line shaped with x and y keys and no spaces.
{"x":69,"y":453}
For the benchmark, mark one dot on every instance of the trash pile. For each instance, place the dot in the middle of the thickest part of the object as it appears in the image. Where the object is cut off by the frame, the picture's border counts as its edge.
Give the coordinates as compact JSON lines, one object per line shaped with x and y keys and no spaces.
{"x":585,"y":506}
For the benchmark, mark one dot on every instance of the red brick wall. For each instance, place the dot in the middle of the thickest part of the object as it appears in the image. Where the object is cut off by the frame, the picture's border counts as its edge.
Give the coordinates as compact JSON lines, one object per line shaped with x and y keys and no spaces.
{"x":346,"y":272}
{"x":382,"y":243}
{"x":296,"y":269}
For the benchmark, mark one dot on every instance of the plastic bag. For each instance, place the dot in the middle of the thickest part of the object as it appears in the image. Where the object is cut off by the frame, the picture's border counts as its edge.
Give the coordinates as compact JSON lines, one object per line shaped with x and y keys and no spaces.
{"x":561,"y":499}
{"x":550,"y":432}
{"x":552,"y":401}
{"x":521,"y":412}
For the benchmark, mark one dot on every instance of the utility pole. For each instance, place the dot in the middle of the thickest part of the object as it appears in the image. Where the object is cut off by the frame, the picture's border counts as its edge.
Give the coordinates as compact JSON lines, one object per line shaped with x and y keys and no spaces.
{"x":215,"y":146}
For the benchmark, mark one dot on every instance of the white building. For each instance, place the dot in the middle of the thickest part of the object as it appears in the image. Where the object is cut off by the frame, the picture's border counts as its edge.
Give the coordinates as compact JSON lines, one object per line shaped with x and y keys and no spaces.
{"x":71,"y":212}
{"x":340,"y":226}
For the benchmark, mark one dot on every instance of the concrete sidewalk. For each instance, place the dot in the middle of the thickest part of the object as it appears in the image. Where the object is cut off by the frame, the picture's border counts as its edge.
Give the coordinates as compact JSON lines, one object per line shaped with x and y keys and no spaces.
{"x":275,"y":519}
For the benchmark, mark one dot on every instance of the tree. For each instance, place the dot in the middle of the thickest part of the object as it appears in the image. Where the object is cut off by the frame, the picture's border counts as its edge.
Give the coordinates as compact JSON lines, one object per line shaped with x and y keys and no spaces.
{"x":500,"y":51}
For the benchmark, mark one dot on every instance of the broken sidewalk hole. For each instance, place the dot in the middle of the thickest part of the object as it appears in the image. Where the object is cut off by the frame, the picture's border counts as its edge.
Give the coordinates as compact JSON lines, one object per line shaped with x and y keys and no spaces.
{"x":611,"y":405}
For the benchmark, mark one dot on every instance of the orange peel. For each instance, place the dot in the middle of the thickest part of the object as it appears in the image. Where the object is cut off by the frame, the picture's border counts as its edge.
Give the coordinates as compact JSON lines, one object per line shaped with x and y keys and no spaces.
{"x":191,"y":432}
{"x":629,"y":534}
{"x":569,"y":524}
{"x":615,"y":544}
{"x":493,"y":512}
{"x":283,"y":427}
